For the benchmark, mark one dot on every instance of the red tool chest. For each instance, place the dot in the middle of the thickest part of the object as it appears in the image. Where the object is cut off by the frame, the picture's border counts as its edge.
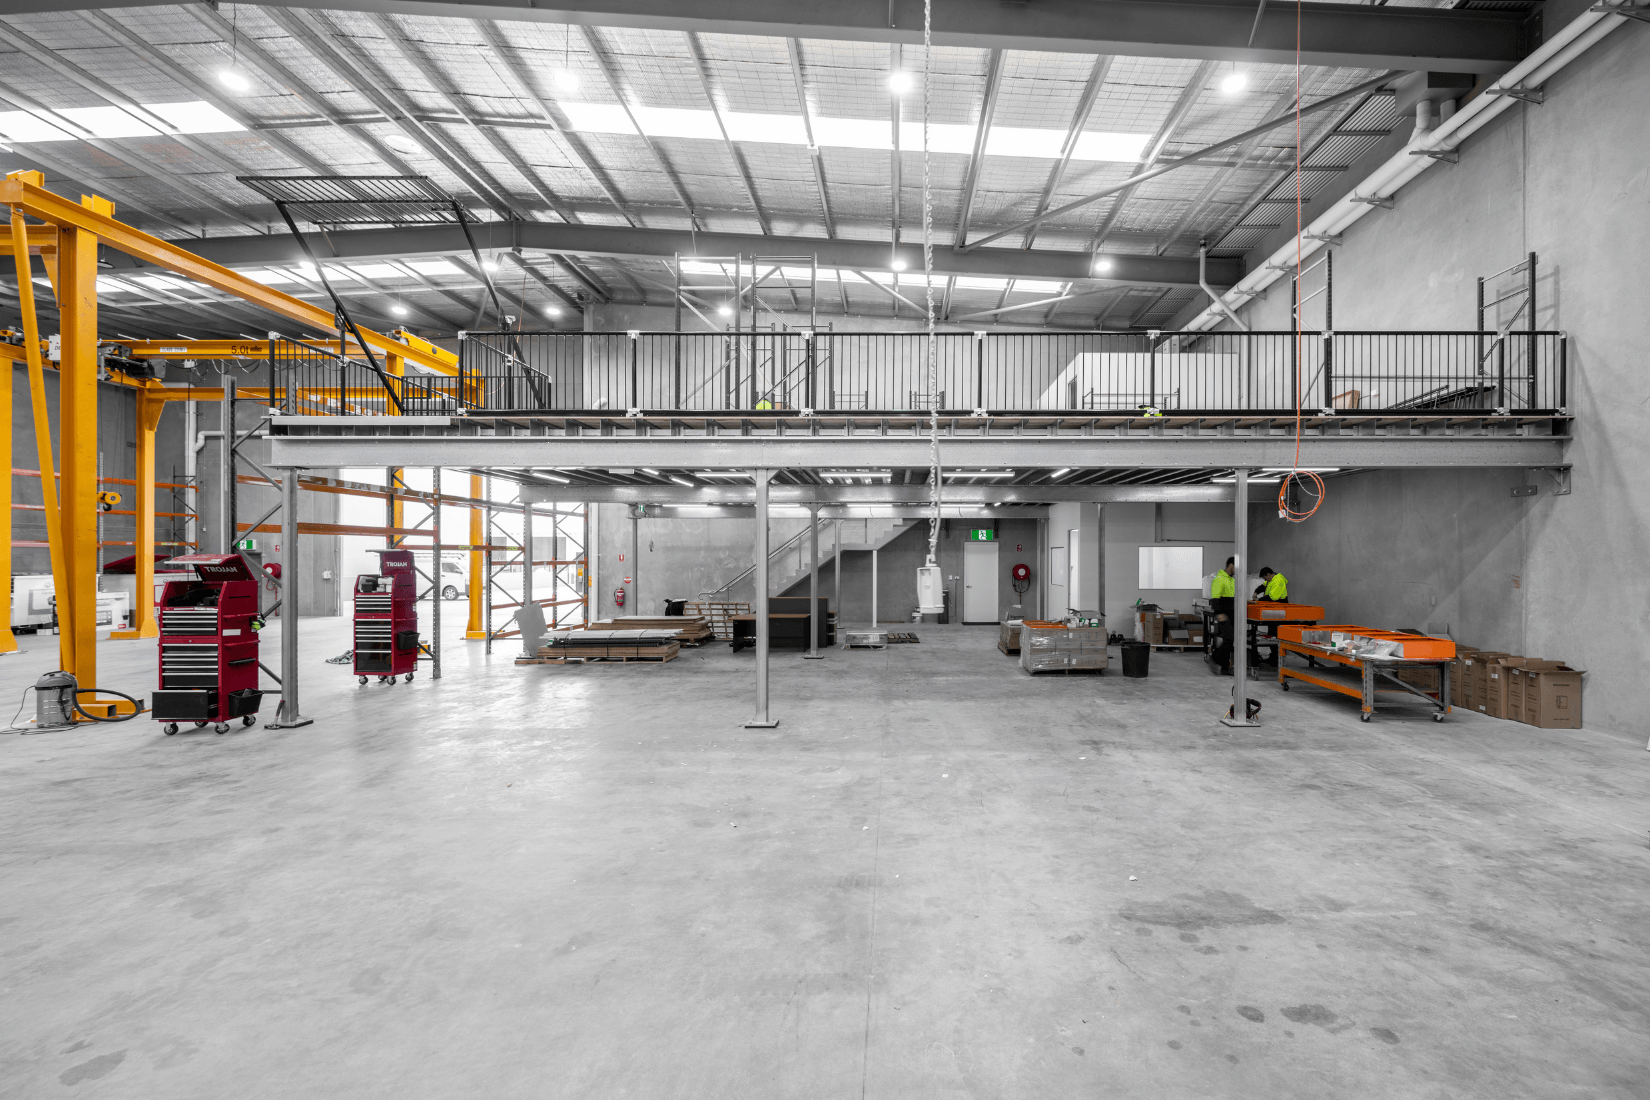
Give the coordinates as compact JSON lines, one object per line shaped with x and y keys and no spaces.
{"x":386,"y":619}
{"x":208,"y":645}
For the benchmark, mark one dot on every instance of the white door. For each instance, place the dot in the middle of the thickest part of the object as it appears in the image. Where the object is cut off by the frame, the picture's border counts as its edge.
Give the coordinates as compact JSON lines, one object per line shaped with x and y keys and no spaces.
{"x":979,"y":582}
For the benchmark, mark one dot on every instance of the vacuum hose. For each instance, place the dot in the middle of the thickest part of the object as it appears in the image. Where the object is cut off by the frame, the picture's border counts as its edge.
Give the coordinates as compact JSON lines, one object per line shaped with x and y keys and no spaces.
{"x":137,"y":707}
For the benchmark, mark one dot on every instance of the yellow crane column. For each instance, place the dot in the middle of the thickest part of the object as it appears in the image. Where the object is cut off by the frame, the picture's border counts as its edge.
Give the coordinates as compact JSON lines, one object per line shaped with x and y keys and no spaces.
{"x":77,"y":445}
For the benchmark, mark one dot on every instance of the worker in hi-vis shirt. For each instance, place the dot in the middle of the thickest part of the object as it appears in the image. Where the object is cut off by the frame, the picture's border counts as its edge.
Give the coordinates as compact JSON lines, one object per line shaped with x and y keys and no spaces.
{"x":1222,"y":596}
{"x":1274,"y":586}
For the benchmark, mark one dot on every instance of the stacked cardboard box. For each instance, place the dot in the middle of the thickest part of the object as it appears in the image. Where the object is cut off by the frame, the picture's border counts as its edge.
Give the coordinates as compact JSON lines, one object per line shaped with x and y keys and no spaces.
{"x":1545,"y":694}
{"x":1009,"y":640}
{"x":1175,"y":628}
{"x":1055,"y":647}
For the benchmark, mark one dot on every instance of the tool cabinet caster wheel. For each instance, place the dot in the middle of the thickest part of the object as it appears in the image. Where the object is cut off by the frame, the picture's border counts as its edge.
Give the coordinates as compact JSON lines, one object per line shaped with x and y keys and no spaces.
{"x":381,"y":679}
{"x":361,"y":680}
{"x":221,"y":728}
{"x":170,"y":728}
{"x":1364,"y":717}
{"x":409,"y":677}
{"x":1438,"y":717}
{"x":199,"y":725}
{"x":1284,"y":686}
{"x":248,"y":720}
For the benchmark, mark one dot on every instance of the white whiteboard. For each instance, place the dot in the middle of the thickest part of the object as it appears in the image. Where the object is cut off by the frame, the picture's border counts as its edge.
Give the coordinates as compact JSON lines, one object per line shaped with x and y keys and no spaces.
{"x":1171,"y":567}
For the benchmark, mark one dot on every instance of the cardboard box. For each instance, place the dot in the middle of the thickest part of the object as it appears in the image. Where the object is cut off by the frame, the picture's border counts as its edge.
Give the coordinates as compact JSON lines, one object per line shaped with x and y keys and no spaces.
{"x":1490,"y":694}
{"x":1048,"y":647}
{"x":1460,"y":684}
{"x":1545,"y":694}
{"x":1476,"y":678}
{"x":1422,"y":679}
{"x":1009,"y":639}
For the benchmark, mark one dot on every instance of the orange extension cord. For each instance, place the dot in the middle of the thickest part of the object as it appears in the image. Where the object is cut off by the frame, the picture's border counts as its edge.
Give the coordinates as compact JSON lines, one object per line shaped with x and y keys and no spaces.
{"x":1314,"y":483}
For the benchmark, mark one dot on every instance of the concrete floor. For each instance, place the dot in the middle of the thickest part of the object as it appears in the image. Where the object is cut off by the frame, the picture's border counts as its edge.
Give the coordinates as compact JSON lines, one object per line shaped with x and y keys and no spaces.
{"x":938,"y":877}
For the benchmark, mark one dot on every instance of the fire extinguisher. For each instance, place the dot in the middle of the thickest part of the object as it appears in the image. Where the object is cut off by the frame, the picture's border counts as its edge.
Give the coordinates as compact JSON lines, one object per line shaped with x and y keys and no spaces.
{"x":618,"y":597}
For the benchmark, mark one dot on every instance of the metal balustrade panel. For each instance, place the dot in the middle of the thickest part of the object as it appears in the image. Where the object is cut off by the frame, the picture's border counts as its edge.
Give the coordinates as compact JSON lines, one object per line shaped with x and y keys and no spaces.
{"x":890,"y":374}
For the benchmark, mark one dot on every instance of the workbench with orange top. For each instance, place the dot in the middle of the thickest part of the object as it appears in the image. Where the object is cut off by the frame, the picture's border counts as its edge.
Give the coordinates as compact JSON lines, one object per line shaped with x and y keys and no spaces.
{"x":1362,"y":675}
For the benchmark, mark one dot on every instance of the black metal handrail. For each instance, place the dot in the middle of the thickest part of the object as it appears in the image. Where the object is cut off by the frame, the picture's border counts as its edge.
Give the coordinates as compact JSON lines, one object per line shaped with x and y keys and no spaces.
{"x":764,"y":372}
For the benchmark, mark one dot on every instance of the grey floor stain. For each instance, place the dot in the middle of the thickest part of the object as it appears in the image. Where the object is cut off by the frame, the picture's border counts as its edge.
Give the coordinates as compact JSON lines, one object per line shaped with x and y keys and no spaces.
{"x":101,"y":1066}
{"x":1077,"y":1051}
{"x":575,"y":943}
{"x":1232,"y":1058}
{"x":1250,"y":1012}
{"x":1385,"y":1035}
{"x":1310,"y":1014}
{"x":1174,"y":1044}
{"x":1187,"y":1009}
{"x":1142,"y":931}
{"x":1209,"y":909}
{"x":370,"y":980}
{"x":1074,"y":938}
{"x":1189,"y":937}
{"x":80,"y":1044}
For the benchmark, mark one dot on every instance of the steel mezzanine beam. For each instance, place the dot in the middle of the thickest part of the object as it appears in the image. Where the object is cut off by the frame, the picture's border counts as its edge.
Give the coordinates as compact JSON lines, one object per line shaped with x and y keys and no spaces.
{"x":1356,"y":36}
{"x":623,"y":241}
{"x":961,"y":495}
{"x":805,"y":452}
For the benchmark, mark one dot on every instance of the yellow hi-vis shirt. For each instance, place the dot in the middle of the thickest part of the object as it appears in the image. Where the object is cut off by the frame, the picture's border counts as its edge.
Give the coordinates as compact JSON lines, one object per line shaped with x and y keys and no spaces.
{"x":1223,"y":586}
{"x":1277,"y":588}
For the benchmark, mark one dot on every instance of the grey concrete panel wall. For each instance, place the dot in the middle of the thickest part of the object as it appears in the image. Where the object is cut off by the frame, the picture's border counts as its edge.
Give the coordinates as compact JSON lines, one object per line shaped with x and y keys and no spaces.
{"x":680,"y":558}
{"x":1128,"y":527}
{"x":1548,"y":576}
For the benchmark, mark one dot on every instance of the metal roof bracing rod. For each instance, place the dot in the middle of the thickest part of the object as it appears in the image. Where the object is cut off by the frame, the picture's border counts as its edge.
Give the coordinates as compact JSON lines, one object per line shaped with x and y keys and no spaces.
{"x":1179,"y":162}
{"x":344,"y":321}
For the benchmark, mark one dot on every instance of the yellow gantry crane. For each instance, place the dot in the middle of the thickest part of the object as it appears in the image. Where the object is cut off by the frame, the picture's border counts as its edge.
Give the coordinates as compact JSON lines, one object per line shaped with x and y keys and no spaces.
{"x":66,"y":240}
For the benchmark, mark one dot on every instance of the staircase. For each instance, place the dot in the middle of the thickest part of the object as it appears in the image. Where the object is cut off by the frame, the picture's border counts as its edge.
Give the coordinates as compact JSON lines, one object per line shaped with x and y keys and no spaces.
{"x":788,"y":562}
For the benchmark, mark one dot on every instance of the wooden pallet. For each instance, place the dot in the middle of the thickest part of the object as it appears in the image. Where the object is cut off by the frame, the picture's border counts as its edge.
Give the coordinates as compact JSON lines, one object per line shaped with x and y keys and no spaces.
{"x":576,"y":660}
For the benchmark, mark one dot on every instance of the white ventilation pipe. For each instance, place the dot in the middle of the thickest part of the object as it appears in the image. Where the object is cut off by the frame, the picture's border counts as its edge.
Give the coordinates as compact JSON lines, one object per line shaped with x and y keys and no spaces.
{"x":1568,"y":44}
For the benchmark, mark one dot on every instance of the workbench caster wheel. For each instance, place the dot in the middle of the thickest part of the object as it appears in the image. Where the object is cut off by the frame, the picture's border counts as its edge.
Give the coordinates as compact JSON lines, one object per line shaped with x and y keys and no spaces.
{"x":1365,"y":717}
{"x":221,"y":728}
{"x":248,"y":720}
{"x":199,"y":725}
{"x":409,"y":677}
{"x":1284,"y":684}
{"x":169,"y":729}
{"x":362,"y":680}
{"x":1439,"y":717}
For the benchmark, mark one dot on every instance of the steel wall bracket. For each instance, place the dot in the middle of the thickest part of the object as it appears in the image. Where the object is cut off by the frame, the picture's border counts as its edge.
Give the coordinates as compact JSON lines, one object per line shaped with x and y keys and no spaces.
{"x":1561,"y":479}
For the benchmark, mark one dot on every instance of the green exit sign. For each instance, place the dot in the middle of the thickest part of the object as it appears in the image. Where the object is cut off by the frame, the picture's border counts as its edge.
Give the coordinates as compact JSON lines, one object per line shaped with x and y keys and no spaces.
{"x":982,"y":534}
{"x":247,"y":544}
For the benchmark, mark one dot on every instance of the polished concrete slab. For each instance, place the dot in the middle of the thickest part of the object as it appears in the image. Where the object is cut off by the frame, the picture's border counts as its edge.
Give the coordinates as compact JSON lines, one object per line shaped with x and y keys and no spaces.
{"x":938,"y":877}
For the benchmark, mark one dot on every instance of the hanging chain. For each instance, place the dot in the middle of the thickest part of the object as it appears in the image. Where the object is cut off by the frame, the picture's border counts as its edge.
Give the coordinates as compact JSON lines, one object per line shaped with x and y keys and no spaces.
{"x":934,"y":478}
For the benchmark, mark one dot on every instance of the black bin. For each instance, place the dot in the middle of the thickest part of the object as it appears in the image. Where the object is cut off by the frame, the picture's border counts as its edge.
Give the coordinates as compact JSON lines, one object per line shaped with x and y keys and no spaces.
{"x":1137,"y":656}
{"x":675,"y":607}
{"x":406,"y":639}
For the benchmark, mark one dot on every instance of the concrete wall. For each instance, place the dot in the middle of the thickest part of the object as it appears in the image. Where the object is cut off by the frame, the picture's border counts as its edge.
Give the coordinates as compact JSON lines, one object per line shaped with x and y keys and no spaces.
{"x":1089,"y":557}
{"x":897,"y":563}
{"x":1548,"y":576}
{"x":680,"y":558}
{"x":1128,"y":527}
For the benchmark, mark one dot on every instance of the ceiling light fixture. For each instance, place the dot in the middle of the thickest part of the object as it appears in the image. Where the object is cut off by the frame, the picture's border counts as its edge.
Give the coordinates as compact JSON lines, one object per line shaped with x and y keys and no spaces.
{"x":552,"y":311}
{"x":1234,"y":83}
{"x":553,"y":477}
{"x":401,"y":143}
{"x":1059,"y":473}
{"x":681,"y":481}
{"x":898,"y":264}
{"x":567,"y":81}
{"x":1102,"y":266}
{"x":724,"y":311}
{"x":900,"y":82}
{"x":398,"y":310}
{"x":234,"y":81}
